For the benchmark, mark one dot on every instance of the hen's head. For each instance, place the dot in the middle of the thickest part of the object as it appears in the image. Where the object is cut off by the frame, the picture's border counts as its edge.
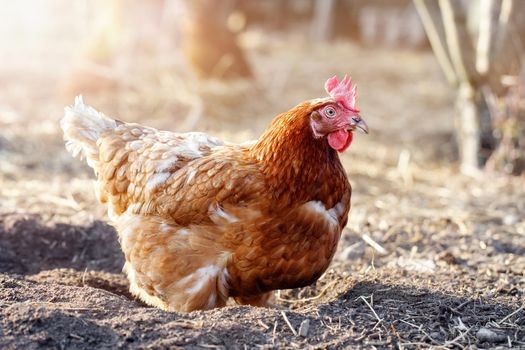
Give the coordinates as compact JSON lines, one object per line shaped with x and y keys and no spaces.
{"x":314,"y":125}
{"x":336,"y":117}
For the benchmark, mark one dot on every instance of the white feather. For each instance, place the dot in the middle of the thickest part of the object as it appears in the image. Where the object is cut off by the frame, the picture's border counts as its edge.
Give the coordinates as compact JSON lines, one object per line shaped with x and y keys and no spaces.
{"x":330,"y":215}
{"x":82,"y":126}
{"x":157,"y":180}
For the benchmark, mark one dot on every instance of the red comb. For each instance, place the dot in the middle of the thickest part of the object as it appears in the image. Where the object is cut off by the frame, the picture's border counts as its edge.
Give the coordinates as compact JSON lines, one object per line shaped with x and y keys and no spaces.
{"x":343,"y":92}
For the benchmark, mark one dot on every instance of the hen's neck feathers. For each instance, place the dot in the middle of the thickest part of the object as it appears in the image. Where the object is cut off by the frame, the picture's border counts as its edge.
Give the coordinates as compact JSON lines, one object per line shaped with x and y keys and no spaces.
{"x":296,"y":165}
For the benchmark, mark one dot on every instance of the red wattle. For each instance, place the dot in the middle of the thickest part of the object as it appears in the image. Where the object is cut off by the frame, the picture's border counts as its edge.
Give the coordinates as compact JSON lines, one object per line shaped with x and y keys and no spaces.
{"x":340,"y":140}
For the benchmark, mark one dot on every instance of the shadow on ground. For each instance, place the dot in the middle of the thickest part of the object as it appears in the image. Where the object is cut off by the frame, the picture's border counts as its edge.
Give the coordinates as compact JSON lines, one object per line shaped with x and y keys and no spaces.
{"x":61,"y":287}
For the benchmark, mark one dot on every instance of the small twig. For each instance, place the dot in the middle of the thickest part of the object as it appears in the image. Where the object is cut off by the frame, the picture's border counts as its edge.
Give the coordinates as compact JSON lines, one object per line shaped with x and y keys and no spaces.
{"x":73,"y":335}
{"x":328,"y":326}
{"x":511,"y":314}
{"x":459,"y":307}
{"x":264,"y":325}
{"x":368,"y":240}
{"x":411,"y":324}
{"x":371,"y":308}
{"x":210,"y":346}
{"x":421,"y":344}
{"x":454,"y":341}
{"x":420,"y":329}
{"x":288,"y":323}
{"x":274,"y":332}
{"x":84,"y":276}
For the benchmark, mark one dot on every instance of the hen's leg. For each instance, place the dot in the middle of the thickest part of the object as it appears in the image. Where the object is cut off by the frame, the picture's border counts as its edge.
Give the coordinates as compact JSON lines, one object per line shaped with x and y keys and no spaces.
{"x":262,"y":300}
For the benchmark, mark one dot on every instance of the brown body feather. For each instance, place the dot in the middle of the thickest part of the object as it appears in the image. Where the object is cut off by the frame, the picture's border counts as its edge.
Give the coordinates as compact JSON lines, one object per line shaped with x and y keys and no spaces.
{"x":200,"y":221}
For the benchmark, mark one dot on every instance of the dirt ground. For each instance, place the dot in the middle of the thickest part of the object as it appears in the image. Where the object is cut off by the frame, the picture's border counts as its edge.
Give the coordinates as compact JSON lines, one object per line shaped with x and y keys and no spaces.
{"x":430,"y":258}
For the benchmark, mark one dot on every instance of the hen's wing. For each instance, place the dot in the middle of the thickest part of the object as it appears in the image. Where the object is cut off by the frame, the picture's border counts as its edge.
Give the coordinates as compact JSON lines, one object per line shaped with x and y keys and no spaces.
{"x":137,"y":164}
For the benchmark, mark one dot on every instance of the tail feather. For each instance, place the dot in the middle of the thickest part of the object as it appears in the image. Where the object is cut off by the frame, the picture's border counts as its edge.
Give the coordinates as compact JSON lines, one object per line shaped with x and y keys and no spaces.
{"x":82,"y":126}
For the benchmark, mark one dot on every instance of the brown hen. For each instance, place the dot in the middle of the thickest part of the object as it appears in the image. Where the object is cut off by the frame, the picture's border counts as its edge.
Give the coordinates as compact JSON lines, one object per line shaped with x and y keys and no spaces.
{"x":200,"y":220}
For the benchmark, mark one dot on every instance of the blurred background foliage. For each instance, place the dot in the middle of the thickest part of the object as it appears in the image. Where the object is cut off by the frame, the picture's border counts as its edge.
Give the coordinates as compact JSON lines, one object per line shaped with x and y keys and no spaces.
{"x":440,"y":81}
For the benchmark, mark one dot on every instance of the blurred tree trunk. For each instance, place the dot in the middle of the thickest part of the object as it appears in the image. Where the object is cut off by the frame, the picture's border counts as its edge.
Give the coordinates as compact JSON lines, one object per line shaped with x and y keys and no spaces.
{"x":210,"y":47}
{"x":468,"y":129}
{"x":462,"y":56}
{"x":322,"y":24}
{"x":473,"y":60}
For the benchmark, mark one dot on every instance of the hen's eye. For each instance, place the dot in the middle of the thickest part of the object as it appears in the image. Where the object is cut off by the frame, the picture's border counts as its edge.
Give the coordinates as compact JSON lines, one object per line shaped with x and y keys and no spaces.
{"x":330,"y":112}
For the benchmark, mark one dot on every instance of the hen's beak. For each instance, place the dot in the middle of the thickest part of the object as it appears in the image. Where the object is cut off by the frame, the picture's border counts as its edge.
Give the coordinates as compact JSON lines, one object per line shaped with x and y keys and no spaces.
{"x":358,"y":123}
